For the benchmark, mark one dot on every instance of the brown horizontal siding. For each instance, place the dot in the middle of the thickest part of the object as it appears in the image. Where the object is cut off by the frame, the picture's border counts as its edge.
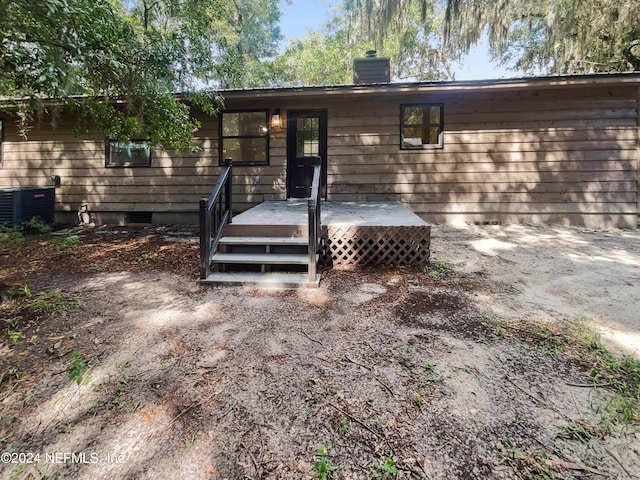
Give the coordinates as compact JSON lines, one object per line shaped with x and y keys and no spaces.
{"x":174,"y":183}
{"x":541,"y":155}
{"x":554,"y":155}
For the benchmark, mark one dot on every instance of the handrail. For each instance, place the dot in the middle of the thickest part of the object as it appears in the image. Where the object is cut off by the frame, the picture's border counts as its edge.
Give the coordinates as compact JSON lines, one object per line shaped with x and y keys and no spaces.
{"x":215,"y":213}
{"x":314,"y":212}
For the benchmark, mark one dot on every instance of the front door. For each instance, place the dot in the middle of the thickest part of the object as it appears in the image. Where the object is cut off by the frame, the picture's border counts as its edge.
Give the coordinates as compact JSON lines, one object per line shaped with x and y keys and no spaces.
{"x":306,"y":140}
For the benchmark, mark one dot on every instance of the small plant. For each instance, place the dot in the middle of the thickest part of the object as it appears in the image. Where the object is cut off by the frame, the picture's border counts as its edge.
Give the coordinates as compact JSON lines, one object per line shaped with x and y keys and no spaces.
{"x":385,"y":471}
{"x":77,"y":368}
{"x":50,"y":301}
{"x":435,"y":274}
{"x":15,"y":336}
{"x":323,"y":467}
{"x":69,"y":242}
{"x":526,"y":466}
{"x":473,"y":370}
{"x":38,"y":224}
{"x":12,"y":323}
{"x":578,"y":431}
{"x":418,"y":400}
{"x":624,"y":409}
{"x":135,"y":407}
{"x":12,"y":329}
{"x":549,"y":341}
{"x":623,"y":374}
{"x":224,"y":445}
{"x":437,"y":271}
{"x":344,"y":427}
{"x":10,"y":236}
{"x":430,"y":366}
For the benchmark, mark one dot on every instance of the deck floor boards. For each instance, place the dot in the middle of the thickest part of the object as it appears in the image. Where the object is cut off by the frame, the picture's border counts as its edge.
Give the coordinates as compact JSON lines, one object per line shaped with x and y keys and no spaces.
{"x":366,"y":214}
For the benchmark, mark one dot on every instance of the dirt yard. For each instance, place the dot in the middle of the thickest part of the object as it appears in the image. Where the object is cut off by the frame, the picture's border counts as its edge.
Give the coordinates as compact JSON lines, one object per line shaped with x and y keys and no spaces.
{"x":116,"y":364}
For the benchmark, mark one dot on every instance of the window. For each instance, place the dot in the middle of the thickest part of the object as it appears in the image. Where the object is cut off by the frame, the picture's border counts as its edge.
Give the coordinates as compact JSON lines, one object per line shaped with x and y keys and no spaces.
{"x":1,"y":139}
{"x":245,"y":137}
{"x":307,"y":137}
{"x":135,"y":153}
{"x":421,"y":126}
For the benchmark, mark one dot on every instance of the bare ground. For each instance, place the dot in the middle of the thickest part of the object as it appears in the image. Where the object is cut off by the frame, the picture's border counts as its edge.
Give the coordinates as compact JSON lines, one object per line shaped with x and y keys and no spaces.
{"x":472,"y":367}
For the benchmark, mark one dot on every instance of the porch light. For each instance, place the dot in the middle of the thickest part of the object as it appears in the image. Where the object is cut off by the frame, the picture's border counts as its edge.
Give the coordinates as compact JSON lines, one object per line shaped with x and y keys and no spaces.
{"x":275,"y":119}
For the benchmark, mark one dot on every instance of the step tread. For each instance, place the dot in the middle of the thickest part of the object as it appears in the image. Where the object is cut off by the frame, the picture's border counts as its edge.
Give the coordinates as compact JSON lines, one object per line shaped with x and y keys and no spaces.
{"x":268,"y":279}
{"x":257,"y":240}
{"x":262,"y":258}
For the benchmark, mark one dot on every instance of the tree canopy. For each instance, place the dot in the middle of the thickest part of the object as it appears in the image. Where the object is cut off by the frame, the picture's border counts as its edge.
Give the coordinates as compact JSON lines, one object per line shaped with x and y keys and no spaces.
{"x":415,"y":45}
{"x":120,"y":64}
{"x":548,"y":36}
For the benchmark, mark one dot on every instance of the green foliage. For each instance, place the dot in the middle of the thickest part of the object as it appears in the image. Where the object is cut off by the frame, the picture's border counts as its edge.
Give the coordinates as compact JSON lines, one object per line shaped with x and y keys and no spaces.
{"x":323,"y":466}
{"x":10,"y":236}
{"x":344,"y":426}
{"x":69,"y":242}
{"x":15,"y":336}
{"x":38,"y":224}
{"x":551,"y":36}
{"x":438,"y":270}
{"x":50,"y":301}
{"x":532,"y":467}
{"x":77,"y":368}
{"x":325,"y":57}
{"x":12,"y":329}
{"x":118,"y":64}
{"x":548,"y":36}
{"x":385,"y":471}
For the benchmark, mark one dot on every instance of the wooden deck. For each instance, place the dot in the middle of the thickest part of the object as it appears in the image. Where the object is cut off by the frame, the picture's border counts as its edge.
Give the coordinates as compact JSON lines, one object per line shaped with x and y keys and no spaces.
{"x":366,"y":214}
{"x":356,"y":233}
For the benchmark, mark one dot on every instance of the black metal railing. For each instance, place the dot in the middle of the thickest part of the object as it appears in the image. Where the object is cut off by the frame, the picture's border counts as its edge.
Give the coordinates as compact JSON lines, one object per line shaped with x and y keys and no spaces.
{"x":215,"y":213}
{"x":314,"y":209}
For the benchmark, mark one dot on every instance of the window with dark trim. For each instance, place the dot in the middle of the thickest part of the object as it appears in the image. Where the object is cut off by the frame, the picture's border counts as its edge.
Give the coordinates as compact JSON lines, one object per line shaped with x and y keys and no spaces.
{"x":244,"y":136}
{"x":421,"y":126}
{"x":134,"y":153}
{"x":1,"y":139}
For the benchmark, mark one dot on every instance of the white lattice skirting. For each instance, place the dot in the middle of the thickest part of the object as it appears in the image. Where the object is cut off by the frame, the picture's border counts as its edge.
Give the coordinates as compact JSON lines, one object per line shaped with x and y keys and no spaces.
{"x":377,"y":245}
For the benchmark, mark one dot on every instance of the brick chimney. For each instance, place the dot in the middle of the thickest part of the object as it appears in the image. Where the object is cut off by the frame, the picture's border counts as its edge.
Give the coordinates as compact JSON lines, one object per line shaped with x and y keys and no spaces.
{"x":371,"y":69}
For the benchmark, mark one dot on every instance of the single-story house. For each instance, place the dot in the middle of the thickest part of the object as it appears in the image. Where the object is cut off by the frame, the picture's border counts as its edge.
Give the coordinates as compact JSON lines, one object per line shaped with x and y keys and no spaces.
{"x":562,"y":149}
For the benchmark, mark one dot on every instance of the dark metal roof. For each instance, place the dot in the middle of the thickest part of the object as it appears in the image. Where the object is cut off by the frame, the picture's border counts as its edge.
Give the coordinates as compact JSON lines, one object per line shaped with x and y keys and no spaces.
{"x":602,"y":79}
{"x":632,"y":78}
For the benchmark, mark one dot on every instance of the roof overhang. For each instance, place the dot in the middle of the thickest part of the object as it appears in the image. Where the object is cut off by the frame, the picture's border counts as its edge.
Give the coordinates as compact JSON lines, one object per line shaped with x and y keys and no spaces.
{"x":573,"y":81}
{"x":630,"y":79}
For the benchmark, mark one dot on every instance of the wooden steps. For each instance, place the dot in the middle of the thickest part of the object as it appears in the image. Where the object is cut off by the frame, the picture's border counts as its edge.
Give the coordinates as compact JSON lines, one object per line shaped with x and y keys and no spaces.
{"x":242,"y":240}
{"x":264,"y":279}
{"x":271,"y":256}
{"x":261,"y":258}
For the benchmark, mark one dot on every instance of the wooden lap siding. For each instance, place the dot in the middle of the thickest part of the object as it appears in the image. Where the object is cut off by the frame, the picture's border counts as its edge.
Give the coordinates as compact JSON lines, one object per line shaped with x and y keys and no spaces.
{"x":558,"y":155}
{"x":561,"y":156}
{"x":172,"y":185}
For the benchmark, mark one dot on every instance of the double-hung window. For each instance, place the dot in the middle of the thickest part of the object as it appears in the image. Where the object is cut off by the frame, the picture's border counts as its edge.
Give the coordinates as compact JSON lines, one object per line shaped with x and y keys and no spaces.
{"x":1,"y":139}
{"x":421,"y":126}
{"x":244,"y":137}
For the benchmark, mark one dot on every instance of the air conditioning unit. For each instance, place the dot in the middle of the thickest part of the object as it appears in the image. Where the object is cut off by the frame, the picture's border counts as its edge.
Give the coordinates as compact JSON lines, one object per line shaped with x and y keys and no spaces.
{"x":21,"y":204}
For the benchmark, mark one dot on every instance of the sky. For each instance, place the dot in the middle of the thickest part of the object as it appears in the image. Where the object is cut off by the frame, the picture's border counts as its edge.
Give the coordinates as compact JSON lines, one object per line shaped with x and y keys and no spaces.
{"x":298,"y":16}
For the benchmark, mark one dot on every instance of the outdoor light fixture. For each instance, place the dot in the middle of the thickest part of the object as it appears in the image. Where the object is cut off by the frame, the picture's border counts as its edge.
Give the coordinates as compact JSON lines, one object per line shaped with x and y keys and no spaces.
{"x":275,"y":119}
